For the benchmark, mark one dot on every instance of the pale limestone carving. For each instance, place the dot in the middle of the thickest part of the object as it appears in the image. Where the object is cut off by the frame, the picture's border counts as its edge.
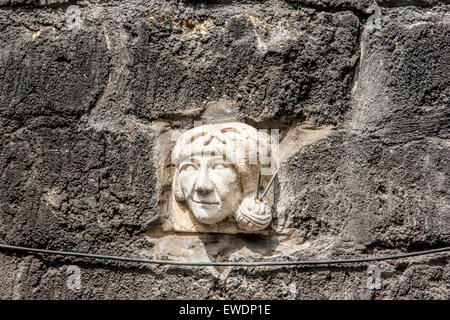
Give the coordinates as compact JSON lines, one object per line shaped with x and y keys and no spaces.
{"x":215,"y":179}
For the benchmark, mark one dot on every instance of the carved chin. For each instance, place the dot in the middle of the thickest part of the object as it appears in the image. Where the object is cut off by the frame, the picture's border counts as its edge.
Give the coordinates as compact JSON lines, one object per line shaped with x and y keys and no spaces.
{"x":207,"y":213}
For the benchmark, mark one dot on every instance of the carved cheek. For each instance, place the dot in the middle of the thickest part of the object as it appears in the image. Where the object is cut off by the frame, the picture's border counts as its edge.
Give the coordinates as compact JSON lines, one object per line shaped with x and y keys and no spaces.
{"x":187,"y":181}
{"x":225,"y":181}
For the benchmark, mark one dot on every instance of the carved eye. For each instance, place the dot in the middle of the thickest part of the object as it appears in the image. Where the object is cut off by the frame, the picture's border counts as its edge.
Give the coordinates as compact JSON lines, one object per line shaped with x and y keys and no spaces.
{"x":219,"y":165}
{"x":189,"y":167}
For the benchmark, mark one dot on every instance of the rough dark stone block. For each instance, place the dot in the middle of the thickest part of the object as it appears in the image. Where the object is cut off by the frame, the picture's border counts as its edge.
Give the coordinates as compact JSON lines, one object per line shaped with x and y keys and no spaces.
{"x":48,"y":73}
{"x":68,"y":189}
{"x":269,"y":68}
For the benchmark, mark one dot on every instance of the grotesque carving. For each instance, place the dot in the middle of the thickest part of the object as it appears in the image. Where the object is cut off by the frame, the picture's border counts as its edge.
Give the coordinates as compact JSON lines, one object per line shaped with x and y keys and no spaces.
{"x":216,"y":174}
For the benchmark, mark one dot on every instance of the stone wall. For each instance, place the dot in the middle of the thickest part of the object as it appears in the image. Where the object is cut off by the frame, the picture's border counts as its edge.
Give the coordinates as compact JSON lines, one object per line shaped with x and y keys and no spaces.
{"x":91,"y":92}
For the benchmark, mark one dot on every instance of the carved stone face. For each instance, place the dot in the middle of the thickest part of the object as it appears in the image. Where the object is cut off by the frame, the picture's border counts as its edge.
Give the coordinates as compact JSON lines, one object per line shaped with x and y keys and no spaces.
{"x":215,"y":177}
{"x":210,"y":186}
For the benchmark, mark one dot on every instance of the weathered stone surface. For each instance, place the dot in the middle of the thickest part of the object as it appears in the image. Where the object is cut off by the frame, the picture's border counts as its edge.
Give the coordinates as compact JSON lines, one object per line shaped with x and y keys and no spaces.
{"x":29,"y":278}
{"x":418,"y":3}
{"x":270,"y":66}
{"x":402,"y":73}
{"x":74,"y":189}
{"x":333,"y":4}
{"x":51,"y":74}
{"x":361,"y":6}
{"x":86,"y":117}
{"x":39,"y":2}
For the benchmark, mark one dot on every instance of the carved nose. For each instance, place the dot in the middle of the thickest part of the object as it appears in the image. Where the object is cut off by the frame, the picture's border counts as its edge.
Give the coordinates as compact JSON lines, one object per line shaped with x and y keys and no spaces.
{"x":203,"y":183}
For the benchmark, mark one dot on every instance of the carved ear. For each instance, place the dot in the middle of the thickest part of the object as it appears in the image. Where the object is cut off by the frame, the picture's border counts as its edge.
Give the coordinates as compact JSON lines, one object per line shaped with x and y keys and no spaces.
{"x":176,"y":189}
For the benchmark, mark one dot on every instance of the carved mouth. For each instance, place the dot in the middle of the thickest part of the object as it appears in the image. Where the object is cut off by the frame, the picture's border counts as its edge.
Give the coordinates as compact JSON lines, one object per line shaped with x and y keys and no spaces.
{"x":204,"y":202}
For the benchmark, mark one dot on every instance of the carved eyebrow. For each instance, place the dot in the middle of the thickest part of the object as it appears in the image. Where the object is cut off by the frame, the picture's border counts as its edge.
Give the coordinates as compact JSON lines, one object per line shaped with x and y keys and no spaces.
{"x":189,"y":160}
{"x":217,"y":160}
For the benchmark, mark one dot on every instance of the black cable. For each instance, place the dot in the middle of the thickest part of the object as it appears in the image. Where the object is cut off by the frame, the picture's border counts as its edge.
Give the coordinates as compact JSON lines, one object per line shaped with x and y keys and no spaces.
{"x":224,"y":264}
